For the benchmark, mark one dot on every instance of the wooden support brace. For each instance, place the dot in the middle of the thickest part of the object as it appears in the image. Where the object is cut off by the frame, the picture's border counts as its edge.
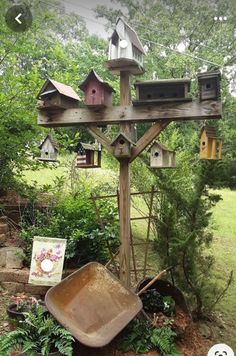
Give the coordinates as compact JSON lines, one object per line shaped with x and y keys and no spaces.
{"x":101,"y":137}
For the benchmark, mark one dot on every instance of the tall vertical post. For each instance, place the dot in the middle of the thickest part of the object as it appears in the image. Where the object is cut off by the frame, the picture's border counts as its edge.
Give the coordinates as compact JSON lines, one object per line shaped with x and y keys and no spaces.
{"x":125,"y":99}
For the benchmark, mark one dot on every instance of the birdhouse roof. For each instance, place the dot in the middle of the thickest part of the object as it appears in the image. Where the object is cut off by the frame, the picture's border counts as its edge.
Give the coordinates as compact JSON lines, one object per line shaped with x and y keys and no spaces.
{"x":131,"y":33}
{"x":90,"y":146}
{"x":53,"y":142}
{"x":122,"y":135}
{"x":161,"y":146}
{"x":208,"y":75}
{"x":92,"y":75}
{"x":63,"y":89}
{"x":163,"y":81}
{"x":209,"y":131}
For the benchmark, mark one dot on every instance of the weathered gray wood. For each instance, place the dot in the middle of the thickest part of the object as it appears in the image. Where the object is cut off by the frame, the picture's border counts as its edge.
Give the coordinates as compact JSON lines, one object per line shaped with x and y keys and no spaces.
{"x":209,"y":109}
{"x":147,"y":138}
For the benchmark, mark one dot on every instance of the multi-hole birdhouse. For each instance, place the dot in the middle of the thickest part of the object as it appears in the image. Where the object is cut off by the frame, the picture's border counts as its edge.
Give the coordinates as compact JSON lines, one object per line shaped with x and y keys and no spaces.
{"x":97,"y":92}
{"x":158,"y":91}
{"x":88,"y":155}
{"x":209,"y":85}
{"x":161,"y":157}
{"x":49,"y":150}
{"x":57,"y":96}
{"x":210,"y":144}
{"x":122,"y":146}
{"x":125,"y":50}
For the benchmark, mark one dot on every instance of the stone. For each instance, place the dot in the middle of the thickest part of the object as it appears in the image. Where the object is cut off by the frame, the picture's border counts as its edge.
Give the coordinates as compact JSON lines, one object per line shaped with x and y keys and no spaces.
{"x":34,"y":289}
{"x":11,"y":257}
{"x":4,"y":228}
{"x":13,"y":287}
{"x":14,"y":275}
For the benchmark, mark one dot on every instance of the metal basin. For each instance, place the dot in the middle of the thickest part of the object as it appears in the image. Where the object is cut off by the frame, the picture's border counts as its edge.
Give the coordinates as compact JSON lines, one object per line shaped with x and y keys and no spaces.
{"x":92,"y":304}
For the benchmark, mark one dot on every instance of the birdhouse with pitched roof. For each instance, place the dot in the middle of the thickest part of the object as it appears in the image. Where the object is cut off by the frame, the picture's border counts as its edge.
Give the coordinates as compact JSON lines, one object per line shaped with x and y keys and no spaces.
{"x":210,"y":144}
{"x":97,"y":92}
{"x":161,"y":157}
{"x":57,"y":96}
{"x":209,"y":85}
{"x":125,"y":50}
{"x":159,"y":91}
{"x":49,"y":150}
{"x":88,"y":155}
{"x":122,"y":146}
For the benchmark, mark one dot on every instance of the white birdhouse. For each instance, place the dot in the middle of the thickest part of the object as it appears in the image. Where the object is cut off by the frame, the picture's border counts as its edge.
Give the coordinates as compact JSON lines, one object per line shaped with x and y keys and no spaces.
{"x":161,"y":157}
{"x":125,"y":50}
{"x":49,"y":150}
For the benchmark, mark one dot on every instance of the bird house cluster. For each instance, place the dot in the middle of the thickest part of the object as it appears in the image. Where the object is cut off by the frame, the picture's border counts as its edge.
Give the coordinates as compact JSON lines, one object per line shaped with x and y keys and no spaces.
{"x":209,"y":85}
{"x":156,"y":91}
{"x":88,"y":155}
{"x":125,"y":50}
{"x":49,"y":150}
{"x":161,"y":157}
{"x":97,"y":92}
{"x":57,"y":96}
{"x":210,"y":144}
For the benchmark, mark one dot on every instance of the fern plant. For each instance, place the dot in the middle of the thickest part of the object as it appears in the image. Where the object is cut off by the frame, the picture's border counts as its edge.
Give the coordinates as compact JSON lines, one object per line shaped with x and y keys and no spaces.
{"x":37,"y":334}
{"x":163,"y":340}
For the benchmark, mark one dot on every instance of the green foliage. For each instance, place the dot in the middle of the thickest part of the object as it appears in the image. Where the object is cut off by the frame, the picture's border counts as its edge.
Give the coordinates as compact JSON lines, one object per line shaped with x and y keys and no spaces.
{"x":163,"y":340}
{"x":152,"y":301}
{"x":169,"y":305}
{"x":37,"y":333}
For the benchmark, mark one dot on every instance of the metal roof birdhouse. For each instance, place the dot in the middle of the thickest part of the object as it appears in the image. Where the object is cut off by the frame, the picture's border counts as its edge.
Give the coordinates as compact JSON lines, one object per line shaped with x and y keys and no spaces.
{"x":88,"y":155}
{"x":161,"y":157}
{"x":210,"y":144}
{"x":209,"y":85}
{"x":49,"y":150}
{"x":97,"y":92}
{"x":122,"y":146}
{"x":57,"y":96}
{"x":158,"y":91}
{"x":125,"y":50}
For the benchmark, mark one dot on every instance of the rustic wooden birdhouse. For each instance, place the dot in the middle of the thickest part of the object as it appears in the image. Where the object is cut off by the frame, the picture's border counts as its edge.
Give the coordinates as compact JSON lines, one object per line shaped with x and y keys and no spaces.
{"x":97,"y":92}
{"x":88,"y":155}
{"x":210,"y":144}
{"x":156,"y":91}
{"x":57,"y":96}
{"x":49,"y":150}
{"x":125,"y":50}
{"x":161,"y":157}
{"x":209,"y":85}
{"x":122,"y":146}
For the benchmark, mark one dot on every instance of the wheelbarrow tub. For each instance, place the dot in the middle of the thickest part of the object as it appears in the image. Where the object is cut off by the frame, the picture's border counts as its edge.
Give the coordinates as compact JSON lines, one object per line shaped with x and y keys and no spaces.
{"x":92,"y":304}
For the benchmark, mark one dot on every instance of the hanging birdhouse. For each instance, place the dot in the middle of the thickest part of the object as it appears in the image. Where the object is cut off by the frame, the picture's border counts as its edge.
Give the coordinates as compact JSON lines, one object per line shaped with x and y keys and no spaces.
{"x":88,"y":155}
{"x":97,"y":92}
{"x":209,"y":85}
{"x":49,"y":150}
{"x":210,"y":144}
{"x":161,"y":157}
{"x":159,"y":91}
{"x":122,"y":146}
{"x":57,"y":96}
{"x":125,"y":50}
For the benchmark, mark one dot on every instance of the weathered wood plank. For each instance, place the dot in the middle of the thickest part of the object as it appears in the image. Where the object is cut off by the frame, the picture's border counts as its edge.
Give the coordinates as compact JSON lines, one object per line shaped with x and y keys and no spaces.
{"x":209,"y":109}
{"x":101,"y":137}
{"x":147,"y":138}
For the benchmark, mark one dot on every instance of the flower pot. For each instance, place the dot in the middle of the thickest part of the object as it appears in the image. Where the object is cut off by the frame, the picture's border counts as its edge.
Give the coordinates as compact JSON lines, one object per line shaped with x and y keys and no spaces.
{"x":15,"y":316}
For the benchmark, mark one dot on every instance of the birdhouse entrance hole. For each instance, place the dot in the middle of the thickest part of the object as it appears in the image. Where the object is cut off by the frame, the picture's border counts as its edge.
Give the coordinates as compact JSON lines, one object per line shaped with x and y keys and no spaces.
{"x":121,"y":142}
{"x":94,"y":91}
{"x":156,"y":154}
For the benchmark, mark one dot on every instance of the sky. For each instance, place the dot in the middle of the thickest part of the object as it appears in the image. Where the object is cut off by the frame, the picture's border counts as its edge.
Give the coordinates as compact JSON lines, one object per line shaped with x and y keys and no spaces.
{"x":85,"y":9}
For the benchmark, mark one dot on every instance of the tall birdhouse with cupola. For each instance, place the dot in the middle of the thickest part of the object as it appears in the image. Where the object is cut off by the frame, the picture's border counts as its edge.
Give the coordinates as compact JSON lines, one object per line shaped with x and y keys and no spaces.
{"x":122,"y":146}
{"x":159,"y":91}
{"x":97,"y":92}
{"x":209,"y":85}
{"x":161,"y":157}
{"x":49,"y":150}
{"x":88,"y":155}
{"x":125,"y":50}
{"x":210,"y":144}
{"x":57,"y":96}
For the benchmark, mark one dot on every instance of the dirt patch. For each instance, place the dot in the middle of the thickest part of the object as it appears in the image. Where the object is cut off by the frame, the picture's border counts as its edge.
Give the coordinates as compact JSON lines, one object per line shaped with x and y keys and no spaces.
{"x":4,"y":301}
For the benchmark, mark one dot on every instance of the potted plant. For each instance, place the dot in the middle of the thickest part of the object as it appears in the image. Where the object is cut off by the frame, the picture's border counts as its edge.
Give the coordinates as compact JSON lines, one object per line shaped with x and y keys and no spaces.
{"x":38,"y":334}
{"x":19,"y":305}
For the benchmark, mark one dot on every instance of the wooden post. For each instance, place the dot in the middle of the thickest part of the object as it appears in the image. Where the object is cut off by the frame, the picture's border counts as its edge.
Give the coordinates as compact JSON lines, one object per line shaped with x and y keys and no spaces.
{"x":124,"y":208}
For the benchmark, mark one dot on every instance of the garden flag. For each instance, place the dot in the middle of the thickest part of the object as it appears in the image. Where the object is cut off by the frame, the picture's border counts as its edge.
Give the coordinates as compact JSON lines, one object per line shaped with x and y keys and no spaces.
{"x":47,"y":261}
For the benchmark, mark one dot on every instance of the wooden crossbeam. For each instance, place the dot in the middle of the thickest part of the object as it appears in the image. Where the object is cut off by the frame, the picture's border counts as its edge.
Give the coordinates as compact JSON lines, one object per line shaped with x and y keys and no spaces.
{"x":101,"y":137}
{"x":209,"y":109}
